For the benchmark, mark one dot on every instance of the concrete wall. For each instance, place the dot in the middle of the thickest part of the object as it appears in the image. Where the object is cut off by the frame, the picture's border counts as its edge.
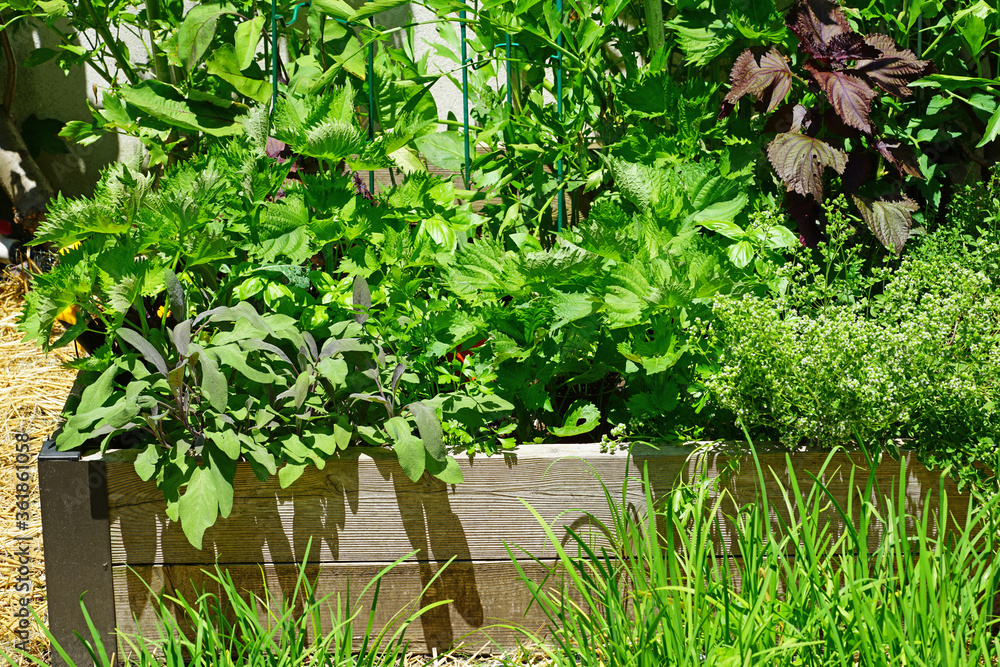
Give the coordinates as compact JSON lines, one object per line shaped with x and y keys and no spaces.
{"x":46,"y":92}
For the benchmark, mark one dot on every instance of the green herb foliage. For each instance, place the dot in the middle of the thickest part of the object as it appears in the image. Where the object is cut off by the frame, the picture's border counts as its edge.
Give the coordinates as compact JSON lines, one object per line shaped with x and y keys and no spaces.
{"x":838,"y":350}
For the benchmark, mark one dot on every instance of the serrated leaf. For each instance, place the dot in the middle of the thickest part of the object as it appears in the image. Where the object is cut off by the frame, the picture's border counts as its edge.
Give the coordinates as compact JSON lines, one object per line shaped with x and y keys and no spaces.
{"x":430,"y":430}
{"x":894,"y":69}
{"x":583,"y":417}
{"x":889,"y":219}
{"x":850,"y":96}
{"x":572,"y":306}
{"x":409,"y":449}
{"x":816,"y":23}
{"x":800,"y":160}
{"x":750,"y":77}
{"x":900,"y":156}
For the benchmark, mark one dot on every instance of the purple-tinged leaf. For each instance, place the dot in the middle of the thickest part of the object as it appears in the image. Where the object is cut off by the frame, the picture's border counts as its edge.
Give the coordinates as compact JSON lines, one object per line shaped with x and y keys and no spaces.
{"x":850,"y":46}
{"x":900,"y":156}
{"x":895,"y":68}
{"x":850,"y":96}
{"x":277,"y":150}
{"x":800,"y":160}
{"x":816,"y":23}
{"x":889,"y":219}
{"x":751,"y":76}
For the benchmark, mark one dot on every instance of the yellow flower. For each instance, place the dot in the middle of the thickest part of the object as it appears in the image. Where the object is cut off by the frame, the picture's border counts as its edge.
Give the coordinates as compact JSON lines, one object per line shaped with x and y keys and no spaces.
{"x":162,"y":312}
{"x":67,"y":315}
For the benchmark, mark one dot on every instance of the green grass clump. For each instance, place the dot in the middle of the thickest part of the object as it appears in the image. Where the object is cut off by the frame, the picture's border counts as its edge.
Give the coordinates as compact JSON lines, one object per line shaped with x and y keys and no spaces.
{"x":235,"y":629}
{"x":887,"y":589}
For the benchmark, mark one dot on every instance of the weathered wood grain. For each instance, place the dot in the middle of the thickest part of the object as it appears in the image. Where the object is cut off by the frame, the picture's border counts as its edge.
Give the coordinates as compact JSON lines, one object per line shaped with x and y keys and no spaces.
{"x":363,"y":509}
{"x":484,"y":596}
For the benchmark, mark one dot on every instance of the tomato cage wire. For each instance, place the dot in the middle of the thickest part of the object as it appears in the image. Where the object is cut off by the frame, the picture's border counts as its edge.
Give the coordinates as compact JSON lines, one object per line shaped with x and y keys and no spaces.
{"x":466,"y":63}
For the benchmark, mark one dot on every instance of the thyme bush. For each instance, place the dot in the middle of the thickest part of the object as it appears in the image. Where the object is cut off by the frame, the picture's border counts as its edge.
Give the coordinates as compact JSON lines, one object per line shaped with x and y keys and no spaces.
{"x":844,"y":345}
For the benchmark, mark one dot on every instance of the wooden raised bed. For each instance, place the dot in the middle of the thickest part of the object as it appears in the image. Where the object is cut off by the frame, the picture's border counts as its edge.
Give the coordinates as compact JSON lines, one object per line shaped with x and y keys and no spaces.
{"x":106,"y":532}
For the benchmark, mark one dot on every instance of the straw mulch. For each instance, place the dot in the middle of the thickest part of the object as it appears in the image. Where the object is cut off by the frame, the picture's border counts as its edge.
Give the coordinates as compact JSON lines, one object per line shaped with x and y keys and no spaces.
{"x":33,"y":387}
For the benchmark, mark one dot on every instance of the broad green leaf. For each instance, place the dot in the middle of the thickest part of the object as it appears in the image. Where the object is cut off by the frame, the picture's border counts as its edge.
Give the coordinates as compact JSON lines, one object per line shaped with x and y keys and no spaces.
{"x":992,"y":129}
{"x":96,"y":393}
{"x":225,"y":64}
{"x":248,"y":35}
{"x":374,"y":7}
{"x":362,"y":300}
{"x":289,"y":473}
{"x":198,"y":112}
{"x":448,"y":471}
{"x":227,"y":441}
{"x":213,"y":383}
{"x":261,"y":459}
{"x":572,"y":306}
{"x":145,"y":463}
{"x":145,"y":348}
{"x":409,"y":449}
{"x":175,"y":291}
{"x":443,"y":149}
{"x":429,"y":426}
{"x":335,"y":8}
{"x":333,"y":369}
{"x":208,"y":494}
{"x":728,"y":229}
{"x":741,"y":254}
{"x":583,"y":417}
{"x":197,"y":31}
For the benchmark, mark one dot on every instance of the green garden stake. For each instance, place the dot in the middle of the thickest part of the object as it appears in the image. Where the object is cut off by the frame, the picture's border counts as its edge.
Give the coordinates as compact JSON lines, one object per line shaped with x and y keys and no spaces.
{"x":274,"y":54}
{"x":510,"y":93}
{"x":371,"y":109}
{"x":465,"y":97}
{"x":560,"y":204}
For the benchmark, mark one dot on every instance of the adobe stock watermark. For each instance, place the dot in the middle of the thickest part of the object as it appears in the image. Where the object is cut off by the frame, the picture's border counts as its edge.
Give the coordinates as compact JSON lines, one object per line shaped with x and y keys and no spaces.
{"x":24,"y":541}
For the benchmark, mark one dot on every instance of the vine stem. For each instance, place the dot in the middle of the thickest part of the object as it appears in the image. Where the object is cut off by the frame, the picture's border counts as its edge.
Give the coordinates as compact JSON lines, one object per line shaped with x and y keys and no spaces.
{"x":101,"y":26}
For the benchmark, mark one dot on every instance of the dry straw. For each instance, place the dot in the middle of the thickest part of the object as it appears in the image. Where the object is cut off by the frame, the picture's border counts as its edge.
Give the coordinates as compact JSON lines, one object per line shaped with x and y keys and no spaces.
{"x":33,"y":387}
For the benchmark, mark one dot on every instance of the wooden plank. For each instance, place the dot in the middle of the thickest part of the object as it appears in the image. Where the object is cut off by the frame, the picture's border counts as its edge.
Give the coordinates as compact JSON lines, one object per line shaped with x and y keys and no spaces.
{"x":73,"y":496}
{"x":366,"y":494}
{"x":484,"y":594}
